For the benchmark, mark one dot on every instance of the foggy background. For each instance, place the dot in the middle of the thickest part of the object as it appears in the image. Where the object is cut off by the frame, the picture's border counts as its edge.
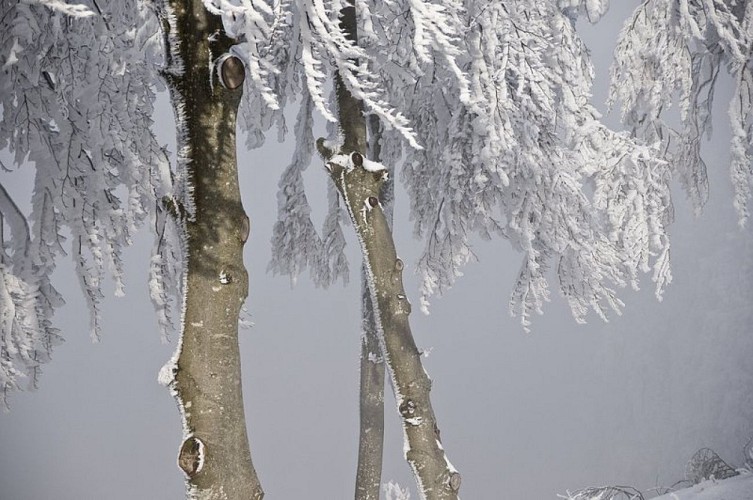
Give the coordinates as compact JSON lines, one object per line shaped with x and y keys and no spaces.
{"x":523,"y":416}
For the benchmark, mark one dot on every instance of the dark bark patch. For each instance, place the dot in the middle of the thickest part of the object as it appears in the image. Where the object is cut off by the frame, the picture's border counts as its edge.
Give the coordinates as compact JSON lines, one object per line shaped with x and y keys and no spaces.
{"x":356,"y":158}
{"x":191,"y":456}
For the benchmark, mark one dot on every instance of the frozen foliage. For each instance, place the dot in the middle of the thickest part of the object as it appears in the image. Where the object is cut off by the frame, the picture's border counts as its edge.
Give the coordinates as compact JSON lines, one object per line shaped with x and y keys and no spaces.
{"x":77,"y":103}
{"x":526,"y":158}
{"x":393,"y":491}
{"x":485,"y":104}
{"x":671,"y":52}
{"x":497,"y":95}
{"x":735,"y":488}
{"x":295,"y":239}
{"x":706,"y":464}
{"x":605,"y":493}
{"x":315,"y":47}
{"x":27,"y":301}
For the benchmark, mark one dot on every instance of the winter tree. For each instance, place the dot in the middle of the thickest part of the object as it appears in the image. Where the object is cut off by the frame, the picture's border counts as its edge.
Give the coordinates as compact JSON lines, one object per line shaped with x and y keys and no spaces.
{"x":500,"y":143}
{"x":77,"y":94}
{"x":484,"y":106}
{"x":504,"y":141}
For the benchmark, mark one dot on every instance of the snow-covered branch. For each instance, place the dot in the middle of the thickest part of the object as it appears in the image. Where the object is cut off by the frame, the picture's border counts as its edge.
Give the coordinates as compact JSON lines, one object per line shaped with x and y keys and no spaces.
{"x":670,"y":53}
{"x":77,"y":97}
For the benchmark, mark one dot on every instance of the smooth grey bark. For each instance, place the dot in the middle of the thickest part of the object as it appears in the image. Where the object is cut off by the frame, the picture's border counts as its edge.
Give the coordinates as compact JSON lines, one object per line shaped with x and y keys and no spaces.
{"x":437,"y":479}
{"x":371,"y":404}
{"x":371,"y":396}
{"x":215,"y":454}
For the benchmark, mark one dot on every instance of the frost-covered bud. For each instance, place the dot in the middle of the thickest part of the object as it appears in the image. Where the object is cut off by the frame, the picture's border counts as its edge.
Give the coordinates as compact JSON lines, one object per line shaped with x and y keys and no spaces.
{"x":373,"y":201}
{"x":356,"y":158}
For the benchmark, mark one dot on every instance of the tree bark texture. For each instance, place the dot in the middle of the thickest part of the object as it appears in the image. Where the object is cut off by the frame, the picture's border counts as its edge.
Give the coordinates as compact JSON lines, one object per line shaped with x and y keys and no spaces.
{"x":437,"y":478}
{"x":215,"y":454}
{"x":371,"y":404}
{"x":371,"y":396}
{"x":361,"y":188}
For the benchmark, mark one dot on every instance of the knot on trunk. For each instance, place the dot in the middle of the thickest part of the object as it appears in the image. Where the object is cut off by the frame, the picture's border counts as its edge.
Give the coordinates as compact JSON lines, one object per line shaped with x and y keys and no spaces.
{"x":454,"y":481}
{"x":245,"y":228}
{"x":407,"y":408}
{"x":225,"y":277}
{"x":191,"y":456}
{"x":230,"y":71}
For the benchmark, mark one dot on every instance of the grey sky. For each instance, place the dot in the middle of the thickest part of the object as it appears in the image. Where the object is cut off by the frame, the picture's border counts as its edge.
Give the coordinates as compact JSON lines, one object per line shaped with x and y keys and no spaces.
{"x":523,"y":416}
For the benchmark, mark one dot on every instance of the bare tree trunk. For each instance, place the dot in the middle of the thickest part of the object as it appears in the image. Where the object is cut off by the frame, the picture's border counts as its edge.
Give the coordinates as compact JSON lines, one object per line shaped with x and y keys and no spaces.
{"x":361,"y":190}
{"x":371,"y":435}
{"x":206,"y":382}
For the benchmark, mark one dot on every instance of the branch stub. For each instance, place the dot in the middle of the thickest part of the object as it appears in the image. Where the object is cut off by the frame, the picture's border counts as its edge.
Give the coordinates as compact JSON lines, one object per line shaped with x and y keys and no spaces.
{"x":455,"y":481}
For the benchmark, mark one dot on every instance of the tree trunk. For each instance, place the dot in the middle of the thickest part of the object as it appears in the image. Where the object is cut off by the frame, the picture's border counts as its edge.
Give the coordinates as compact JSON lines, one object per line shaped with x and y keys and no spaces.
{"x":361,"y":188}
{"x":206,"y":373}
{"x":371,"y":435}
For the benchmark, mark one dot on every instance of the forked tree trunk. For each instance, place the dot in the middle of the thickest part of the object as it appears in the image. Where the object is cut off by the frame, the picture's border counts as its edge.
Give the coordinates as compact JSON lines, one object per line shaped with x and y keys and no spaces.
{"x":206,"y":381}
{"x":360,"y":188}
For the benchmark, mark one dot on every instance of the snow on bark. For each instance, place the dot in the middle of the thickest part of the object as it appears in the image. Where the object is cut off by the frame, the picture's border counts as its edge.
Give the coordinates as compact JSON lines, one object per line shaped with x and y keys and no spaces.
{"x":436,"y":477}
{"x":204,"y":374}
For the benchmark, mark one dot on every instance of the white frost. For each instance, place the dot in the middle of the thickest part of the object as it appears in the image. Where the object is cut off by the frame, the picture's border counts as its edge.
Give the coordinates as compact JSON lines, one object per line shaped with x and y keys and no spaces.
{"x":166,"y":374}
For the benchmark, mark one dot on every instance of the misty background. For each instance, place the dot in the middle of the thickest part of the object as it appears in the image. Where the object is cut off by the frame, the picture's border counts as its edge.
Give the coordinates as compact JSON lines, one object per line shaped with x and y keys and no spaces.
{"x":523,"y":416}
